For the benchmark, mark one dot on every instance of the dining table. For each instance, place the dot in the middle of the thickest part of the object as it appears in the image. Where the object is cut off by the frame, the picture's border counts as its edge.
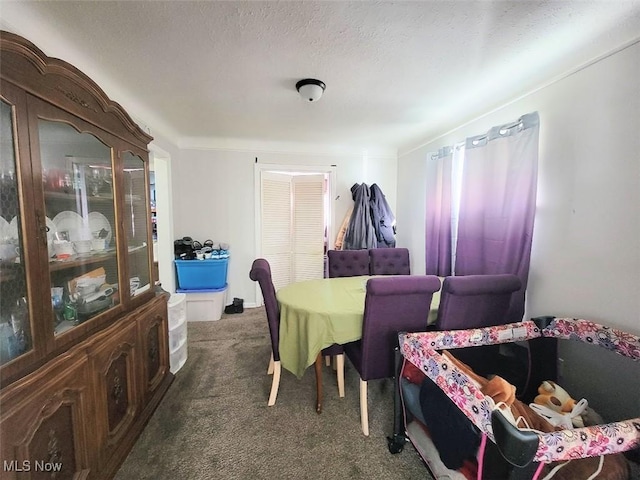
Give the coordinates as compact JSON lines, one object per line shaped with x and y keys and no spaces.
{"x":315,"y":314}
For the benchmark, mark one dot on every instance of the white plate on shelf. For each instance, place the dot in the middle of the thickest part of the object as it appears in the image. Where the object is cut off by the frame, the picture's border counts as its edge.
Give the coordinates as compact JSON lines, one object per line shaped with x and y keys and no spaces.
{"x":72,"y":223}
{"x":52,"y":231}
{"x":13,"y":229}
{"x":97,"y":222}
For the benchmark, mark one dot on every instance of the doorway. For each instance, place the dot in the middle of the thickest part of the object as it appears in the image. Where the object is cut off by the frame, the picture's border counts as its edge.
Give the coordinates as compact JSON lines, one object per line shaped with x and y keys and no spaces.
{"x":160,"y":164}
{"x":294,"y":220}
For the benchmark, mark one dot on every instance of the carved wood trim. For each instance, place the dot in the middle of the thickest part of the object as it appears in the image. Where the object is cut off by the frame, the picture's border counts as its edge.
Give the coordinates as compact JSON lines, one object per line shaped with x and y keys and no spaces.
{"x":127,"y":350}
{"x":154,"y":352}
{"x":73,"y":398}
{"x":123,"y":348}
{"x":75,"y":98}
{"x":49,"y":66}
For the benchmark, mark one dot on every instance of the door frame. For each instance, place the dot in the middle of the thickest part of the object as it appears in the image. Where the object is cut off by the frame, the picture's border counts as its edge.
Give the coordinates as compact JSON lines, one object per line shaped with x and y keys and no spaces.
{"x":278,"y":168}
{"x":164,"y":216}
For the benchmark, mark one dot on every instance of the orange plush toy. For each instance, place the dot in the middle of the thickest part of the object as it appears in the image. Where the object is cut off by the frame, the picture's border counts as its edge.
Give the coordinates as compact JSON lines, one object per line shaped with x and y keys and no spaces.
{"x":553,"y":396}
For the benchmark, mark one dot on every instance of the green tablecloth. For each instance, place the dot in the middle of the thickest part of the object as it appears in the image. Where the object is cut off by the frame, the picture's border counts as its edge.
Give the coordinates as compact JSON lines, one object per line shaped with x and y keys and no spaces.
{"x":318,"y":313}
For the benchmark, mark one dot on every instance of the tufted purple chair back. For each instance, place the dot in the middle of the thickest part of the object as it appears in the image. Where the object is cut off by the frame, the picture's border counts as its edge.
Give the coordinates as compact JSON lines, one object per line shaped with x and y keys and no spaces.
{"x":389,"y":261}
{"x":473,"y":301}
{"x":392,"y":305}
{"x":348,"y":263}
{"x":261,"y":273}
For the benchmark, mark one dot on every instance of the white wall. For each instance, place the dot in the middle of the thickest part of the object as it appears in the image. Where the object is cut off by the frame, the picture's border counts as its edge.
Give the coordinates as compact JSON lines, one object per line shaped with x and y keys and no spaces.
{"x":410,"y":215}
{"x":214,"y":191}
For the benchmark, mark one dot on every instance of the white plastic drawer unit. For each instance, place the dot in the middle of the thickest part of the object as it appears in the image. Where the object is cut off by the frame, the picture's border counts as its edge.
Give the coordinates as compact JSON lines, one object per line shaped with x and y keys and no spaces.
{"x":177,"y":307}
{"x":178,"y":358}
{"x":177,"y":336}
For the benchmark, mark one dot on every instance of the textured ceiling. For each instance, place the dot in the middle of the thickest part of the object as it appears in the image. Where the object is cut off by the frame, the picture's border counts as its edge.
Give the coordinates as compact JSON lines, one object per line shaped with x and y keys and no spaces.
{"x":397,"y":73}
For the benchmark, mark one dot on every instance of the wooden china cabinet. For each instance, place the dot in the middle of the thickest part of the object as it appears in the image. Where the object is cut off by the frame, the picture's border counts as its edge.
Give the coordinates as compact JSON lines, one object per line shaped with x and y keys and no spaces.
{"x":84,"y":357}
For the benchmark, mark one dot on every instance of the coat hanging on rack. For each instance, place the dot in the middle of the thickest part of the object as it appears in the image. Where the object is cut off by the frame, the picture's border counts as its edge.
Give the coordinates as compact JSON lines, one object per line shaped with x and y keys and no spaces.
{"x":360,"y":233}
{"x":382,"y":218}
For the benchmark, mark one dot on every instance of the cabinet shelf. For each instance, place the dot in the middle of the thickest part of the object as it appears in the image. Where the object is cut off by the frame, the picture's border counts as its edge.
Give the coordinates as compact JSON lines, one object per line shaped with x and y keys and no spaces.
{"x":80,"y":260}
{"x":71,"y":197}
{"x":87,"y":259}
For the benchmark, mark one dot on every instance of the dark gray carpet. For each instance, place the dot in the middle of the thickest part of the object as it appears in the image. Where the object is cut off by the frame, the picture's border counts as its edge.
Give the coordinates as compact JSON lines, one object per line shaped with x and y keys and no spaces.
{"x":214,"y":422}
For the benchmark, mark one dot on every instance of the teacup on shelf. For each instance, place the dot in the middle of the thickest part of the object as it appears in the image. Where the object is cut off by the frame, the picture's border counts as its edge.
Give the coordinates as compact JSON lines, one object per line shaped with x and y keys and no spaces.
{"x":82,"y":246}
{"x":98,"y":244}
{"x":63,"y":248}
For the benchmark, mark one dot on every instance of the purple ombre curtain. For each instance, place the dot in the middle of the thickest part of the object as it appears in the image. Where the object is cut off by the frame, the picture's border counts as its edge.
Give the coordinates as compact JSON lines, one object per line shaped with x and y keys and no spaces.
{"x":497,"y":205}
{"x":438,"y":213}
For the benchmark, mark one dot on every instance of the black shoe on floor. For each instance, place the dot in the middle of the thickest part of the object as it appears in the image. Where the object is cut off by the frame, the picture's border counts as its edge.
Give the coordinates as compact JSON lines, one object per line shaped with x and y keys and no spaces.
{"x":236,"y":307}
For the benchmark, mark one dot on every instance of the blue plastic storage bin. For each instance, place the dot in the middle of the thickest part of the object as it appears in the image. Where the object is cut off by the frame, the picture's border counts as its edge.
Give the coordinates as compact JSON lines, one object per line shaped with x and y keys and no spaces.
{"x":202,"y":274}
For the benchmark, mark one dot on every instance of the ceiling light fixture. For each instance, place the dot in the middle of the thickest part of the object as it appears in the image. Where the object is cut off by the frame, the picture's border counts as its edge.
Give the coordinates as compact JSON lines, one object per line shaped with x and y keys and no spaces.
{"x":310,"y":89}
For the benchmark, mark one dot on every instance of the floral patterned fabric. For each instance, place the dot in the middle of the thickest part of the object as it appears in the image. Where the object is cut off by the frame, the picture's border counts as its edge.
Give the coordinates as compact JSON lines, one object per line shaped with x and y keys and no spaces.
{"x":421,"y":350}
{"x":586,"y":331}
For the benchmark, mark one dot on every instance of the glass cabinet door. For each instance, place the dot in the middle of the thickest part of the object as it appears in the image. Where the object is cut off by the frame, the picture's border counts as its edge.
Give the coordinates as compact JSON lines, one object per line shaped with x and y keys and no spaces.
{"x":137,"y":223}
{"x":15,"y":326}
{"x":77,"y":176}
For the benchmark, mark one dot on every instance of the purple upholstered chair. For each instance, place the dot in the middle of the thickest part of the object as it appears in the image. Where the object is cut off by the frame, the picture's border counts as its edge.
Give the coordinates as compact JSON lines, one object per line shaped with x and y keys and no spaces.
{"x":474,"y":301}
{"x":348,"y":263}
{"x":392,"y":305}
{"x":261,"y":273}
{"x":389,"y":261}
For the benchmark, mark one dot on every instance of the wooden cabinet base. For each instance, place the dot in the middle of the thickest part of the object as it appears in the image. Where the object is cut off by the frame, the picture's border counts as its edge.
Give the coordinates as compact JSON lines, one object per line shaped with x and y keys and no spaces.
{"x":83,"y":411}
{"x":119,"y":454}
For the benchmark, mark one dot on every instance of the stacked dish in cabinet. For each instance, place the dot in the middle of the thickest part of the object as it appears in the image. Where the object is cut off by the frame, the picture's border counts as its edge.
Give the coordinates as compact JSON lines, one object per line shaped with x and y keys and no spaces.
{"x":177,"y":306}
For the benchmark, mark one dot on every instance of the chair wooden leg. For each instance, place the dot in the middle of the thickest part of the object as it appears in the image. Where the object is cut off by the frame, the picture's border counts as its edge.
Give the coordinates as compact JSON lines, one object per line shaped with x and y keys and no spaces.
{"x":364,"y":413}
{"x":340,"y":373}
{"x":318,"y":366}
{"x":327,"y":361}
{"x":270,"y":367}
{"x":274,"y":384}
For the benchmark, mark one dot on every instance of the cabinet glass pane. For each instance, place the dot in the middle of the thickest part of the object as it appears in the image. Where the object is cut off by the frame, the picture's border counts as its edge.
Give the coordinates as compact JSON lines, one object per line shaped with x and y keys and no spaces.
{"x":15,"y":327}
{"x":77,"y":175}
{"x":136,"y":222}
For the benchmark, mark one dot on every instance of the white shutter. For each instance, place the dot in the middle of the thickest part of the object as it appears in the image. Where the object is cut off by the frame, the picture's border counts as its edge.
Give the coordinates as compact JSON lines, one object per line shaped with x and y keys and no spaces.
{"x":276,"y":226}
{"x":308,"y":227}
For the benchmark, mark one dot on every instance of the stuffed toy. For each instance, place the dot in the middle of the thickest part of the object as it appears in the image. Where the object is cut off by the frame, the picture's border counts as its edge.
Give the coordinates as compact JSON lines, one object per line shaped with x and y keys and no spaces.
{"x":553,"y":396}
{"x":558,"y":407}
